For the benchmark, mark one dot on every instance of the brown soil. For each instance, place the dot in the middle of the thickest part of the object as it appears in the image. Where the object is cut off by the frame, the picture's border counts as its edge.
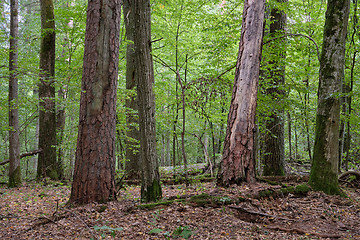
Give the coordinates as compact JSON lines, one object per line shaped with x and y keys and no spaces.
{"x":38,"y":212}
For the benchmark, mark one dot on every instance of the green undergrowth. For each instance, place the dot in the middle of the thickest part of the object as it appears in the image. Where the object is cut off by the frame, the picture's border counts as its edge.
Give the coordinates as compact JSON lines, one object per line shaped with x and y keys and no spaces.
{"x":300,"y":190}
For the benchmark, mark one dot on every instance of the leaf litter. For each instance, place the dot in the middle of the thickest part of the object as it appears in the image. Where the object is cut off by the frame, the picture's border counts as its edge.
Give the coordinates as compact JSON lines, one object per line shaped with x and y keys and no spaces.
{"x":34,"y":211}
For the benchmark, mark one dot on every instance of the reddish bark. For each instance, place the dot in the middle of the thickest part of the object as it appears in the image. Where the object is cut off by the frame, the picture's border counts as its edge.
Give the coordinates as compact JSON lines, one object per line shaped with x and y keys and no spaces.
{"x":238,"y":163}
{"x":95,"y":156}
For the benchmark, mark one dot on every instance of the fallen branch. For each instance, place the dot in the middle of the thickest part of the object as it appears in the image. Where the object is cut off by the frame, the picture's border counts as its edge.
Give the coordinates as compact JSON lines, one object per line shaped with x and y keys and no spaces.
{"x":347,"y":182}
{"x":300,"y":231}
{"x":169,"y":181}
{"x":351,"y":172}
{"x":240,"y":209}
{"x":296,"y":35}
{"x":1,"y":217}
{"x":43,"y":220}
{"x":23,"y":155}
{"x":87,"y":226}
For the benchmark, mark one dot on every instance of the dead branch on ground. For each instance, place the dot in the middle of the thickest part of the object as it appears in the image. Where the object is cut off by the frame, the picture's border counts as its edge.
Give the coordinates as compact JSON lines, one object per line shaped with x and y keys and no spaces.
{"x":301,"y":231}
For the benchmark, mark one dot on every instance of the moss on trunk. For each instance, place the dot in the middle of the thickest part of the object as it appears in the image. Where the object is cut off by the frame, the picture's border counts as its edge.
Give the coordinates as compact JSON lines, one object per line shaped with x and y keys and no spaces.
{"x":152,"y":192}
{"x":324,"y":170}
{"x":15,"y":178}
{"x":323,"y":175}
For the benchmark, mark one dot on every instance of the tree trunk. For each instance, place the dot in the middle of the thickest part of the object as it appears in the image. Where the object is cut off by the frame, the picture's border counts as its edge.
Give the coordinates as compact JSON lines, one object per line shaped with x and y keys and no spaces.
{"x":14,"y":144}
{"x":94,"y":179}
{"x":297,"y":157}
{"x":132,"y":165}
{"x":183,"y":86}
{"x":60,"y":125}
{"x":274,"y":146}
{"x":238,"y":163}
{"x":150,"y":184}
{"x":47,"y":166}
{"x":290,"y":136}
{"x":324,"y":170}
{"x":60,"y":112}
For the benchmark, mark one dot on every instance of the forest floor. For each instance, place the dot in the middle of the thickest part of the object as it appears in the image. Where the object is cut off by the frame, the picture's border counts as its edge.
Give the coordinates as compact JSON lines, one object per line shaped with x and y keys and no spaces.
{"x":35,"y":211}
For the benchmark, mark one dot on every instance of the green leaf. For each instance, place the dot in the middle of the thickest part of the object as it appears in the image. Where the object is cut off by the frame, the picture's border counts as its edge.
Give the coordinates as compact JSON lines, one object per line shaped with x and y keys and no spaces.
{"x":155,"y":230}
{"x":183,"y":232}
{"x":107,"y":228}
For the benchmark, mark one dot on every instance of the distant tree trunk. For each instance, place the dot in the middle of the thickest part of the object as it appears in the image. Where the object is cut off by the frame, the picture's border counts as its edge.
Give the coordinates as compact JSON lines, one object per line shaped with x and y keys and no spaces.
{"x":306,"y":108}
{"x":274,"y":146}
{"x":47,"y":166}
{"x":94,"y":175}
{"x":324,"y":170}
{"x":238,"y":163}
{"x":61,"y":115}
{"x":343,"y":110}
{"x":296,"y":143}
{"x":183,"y":86}
{"x":150,"y":184}
{"x":348,"y":87}
{"x":60,"y":125}
{"x":132,"y":165}
{"x":289,"y":136}
{"x":168,"y":158}
{"x":14,"y":144}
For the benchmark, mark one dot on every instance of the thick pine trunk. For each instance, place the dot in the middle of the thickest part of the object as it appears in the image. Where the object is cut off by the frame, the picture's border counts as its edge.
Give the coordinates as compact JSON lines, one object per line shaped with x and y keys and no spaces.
{"x":14,"y":144}
{"x":150,"y":184}
{"x":273,"y":148}
{"x":324,"y":170}
{"x":132,"y":165}
{"x":47,"y":166}
{"x":238,"y":163}
{"x":94,"y":179}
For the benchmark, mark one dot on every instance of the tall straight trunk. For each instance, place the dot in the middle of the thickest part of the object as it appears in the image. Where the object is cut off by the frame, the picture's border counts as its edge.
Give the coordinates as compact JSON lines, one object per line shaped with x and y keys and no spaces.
{"x":324,"y":170}
{"x":306,"y":115}
{"x":14,"y":143}
{"x":150,"y":184}
{"x":168,"y":154}
{"x":132,"y":165}
{"x":343,"y":110}
{"x":297,"y":157}
{"x":274,"y":146}
{"x":238,"y":163}
{"x":94,"y":175}
{"x":60,"y":112}
{"x":290,"y":136}
{"x":348,"y":88}
{"x":60,"y":126}
{"x":47,"y":166}
{"x":183,"y":86}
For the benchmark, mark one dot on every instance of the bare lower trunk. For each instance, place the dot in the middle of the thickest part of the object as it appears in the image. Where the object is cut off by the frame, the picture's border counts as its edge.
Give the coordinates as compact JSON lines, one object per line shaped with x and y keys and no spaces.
{"x":324,"y":170}
{"x":14,"y":143}
{"x":238,"y":163}
{"x":132,"y":165}
{"x":47,"y":165}
{"x":94,"y":175}
{"x":290,"y":136}
{"x":150,"y":184}
{"x":274,"y":157}
{"x":60,"y":125}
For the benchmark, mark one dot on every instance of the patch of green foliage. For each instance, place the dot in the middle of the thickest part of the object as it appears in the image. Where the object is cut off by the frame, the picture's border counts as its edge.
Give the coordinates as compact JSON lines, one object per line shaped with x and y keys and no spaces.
{"x":108,"y":229}
{"x":153,"y":205}
{"x":182,"y":232}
